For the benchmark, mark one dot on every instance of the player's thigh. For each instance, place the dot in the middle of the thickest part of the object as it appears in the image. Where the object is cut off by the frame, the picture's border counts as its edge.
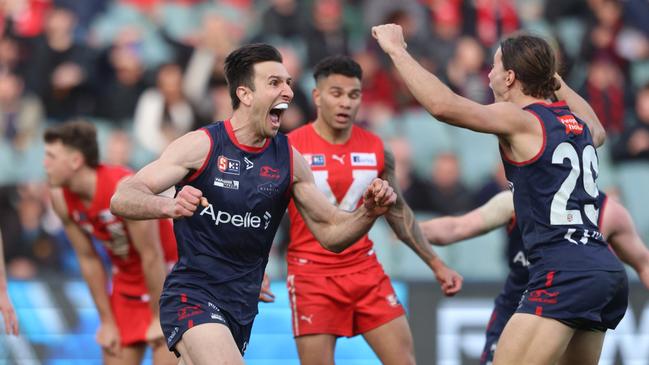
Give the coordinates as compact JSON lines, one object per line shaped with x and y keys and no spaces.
{"x":316,"y":349}
{"x":584,"y":348}
{"x":128,"y":355}
{"x":392,"y":342}
{"x":533,"y":340}
{"x":209,"y":343}
{"x":161,"y":354}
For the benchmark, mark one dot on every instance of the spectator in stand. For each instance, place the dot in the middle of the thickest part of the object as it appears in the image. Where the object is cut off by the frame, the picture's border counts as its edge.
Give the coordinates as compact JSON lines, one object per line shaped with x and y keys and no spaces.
{"x":634,"y":142}
{"x":21,"y":115}
{"x":327,"y":34}
{"x":466,"y":73}
{"x":58,"y":67}
{"x":163,"y":113}
{"x":605,"y":90}
{"x":447,"y":193}
{"x":414,"y":190}
{"x":285,"y":19}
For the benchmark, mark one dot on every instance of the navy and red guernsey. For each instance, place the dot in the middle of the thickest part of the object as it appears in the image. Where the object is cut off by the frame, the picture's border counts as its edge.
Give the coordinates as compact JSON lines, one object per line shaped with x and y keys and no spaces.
{"x":223,"y":248}
{"x":556,"y":196}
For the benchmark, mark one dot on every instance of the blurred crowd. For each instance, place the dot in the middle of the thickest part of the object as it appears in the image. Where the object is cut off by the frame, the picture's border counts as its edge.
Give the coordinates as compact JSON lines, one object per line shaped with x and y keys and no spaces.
{"x":148,"y":71}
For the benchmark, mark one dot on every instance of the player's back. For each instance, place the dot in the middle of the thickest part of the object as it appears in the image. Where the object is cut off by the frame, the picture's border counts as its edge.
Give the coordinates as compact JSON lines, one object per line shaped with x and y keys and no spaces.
{"x":223,"y":248}
{"x":555,"y":196}
{"x":342,"y":172}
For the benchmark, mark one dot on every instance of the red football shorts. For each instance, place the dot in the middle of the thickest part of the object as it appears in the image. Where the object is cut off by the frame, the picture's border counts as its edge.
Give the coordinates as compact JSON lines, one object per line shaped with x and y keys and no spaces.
{"x":133,"y":316}
{"x":342,"y":305}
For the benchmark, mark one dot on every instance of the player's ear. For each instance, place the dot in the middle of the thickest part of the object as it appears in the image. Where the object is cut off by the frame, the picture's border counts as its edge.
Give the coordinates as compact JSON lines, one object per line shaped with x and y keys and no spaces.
{"x":245,"y":95}
{"x":510,"y":78}
{"x":315,"y":94}
{"x":77,"y":160}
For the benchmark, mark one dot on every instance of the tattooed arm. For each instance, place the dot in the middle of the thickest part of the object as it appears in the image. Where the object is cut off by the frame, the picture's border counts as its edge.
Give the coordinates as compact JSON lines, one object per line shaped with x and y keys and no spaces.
{"x":402,"y":221}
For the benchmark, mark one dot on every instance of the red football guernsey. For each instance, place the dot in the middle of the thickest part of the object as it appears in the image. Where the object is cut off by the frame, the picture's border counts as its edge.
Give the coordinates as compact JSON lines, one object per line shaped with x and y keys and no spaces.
{"x":96,"y":220}
{"x":342,"y":172}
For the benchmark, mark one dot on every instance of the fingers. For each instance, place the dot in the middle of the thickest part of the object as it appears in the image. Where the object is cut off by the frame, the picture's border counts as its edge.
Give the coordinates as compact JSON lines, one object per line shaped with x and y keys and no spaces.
{"x":187,"y":201}
{"x":452,"y":285}
{"x":382,"y":193}
{"x":11,"y":323}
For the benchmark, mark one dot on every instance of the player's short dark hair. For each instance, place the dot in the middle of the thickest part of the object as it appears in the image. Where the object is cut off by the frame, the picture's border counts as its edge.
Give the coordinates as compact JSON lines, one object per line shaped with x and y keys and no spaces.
{"x":337,"y":65}
{"x":239,"y":66}
{"x":533,"y":61}
{"x":79,"y":135}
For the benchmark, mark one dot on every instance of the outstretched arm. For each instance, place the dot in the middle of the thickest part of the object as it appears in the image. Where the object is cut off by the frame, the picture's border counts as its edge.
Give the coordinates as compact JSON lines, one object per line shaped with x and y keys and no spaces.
{"x":620,"y":232}
{"x":334,"y":228}
{"x":583,"y":110}
{"x":402,"y":220}
{"x":503,"y":119}
{"x":94,"y":274}
{"x":447,"y":230}
{"x":138,"y":196}
{"x":7,"y":309}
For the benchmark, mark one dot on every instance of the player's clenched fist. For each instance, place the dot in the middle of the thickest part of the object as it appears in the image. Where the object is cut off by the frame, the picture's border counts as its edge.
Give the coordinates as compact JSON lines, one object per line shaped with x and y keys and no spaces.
{"x":390,"y":37}
{"x":186,"y":202}
{"x":378,"y":197}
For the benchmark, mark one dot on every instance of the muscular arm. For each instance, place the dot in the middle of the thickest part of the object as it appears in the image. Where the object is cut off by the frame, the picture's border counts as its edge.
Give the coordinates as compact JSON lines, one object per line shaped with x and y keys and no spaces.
{"x":7,"y":309}
{"x":620,"y":232}
{"x":583,"y":110}
{"x":335,"y":229}
{"x":91,"y":266}
{"x":447,"y":230}
{"x":146,"y":239}
{"x":137,"y":197}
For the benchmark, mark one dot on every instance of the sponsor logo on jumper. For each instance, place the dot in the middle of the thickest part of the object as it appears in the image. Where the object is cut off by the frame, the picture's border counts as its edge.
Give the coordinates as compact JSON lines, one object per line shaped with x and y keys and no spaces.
{"x":189,"y":311}
{"x":315,"y":160}
{"x":228,"y":165}
{"x":227,"y":184}
{"x":269,"y":172}
{"x":340,"y":158}
{"x":571,"y":124}
{"x":521,"y":259}
{"x":249,"y":163}
{"x":268,"y":189}
{"x":510,"y":186}
{"x":245,"y":220}
{"x":363,"y":159}
{"x":543,"y":296}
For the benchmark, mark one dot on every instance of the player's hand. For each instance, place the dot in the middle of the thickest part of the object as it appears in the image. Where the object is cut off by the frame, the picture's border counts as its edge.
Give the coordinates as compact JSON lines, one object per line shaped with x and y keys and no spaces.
{"x":108,"y":338}
{"x":186,"y":202}
{"x":265,"y":295}
{"x":379,"y":197}
{"x":390,"y":37}
{"x":449,"y":280}
{"x":8,"y":314}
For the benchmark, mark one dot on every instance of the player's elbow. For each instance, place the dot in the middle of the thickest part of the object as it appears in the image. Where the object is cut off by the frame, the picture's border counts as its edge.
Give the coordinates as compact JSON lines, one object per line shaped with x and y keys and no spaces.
{"x":599,"y":136}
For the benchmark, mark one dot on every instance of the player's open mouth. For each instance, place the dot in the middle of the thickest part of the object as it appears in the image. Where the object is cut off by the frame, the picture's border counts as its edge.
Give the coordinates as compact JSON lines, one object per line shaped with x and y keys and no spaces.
{"x":342,"y":117}
{"x":276,"y":112}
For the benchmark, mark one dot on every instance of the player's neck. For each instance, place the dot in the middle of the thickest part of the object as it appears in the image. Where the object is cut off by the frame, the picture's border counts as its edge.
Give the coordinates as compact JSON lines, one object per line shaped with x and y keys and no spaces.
{"x":331,"y":135}
{"x":245,"y":130}
{"x":84,"y":184}
{"x":522,"y":100}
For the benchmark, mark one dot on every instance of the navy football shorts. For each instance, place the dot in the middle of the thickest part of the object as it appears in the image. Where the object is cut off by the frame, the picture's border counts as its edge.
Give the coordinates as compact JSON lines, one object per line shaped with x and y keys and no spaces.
{"x":593,"y":300}
{"x":180,"y":312}
{"x":502,"y":312}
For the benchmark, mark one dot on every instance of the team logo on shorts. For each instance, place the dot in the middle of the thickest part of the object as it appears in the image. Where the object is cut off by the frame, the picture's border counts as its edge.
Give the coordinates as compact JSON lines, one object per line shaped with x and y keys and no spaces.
{"x":189,"y":311}
{"x":228,"y":165}
{"x":392,"y":299}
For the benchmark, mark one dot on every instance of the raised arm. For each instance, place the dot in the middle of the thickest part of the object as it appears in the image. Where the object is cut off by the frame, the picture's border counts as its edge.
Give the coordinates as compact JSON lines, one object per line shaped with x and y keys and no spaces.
{"x":619,"y":230}
{"x":7,"y":309}
{"x":94,"y":274}
{"x":138,"y":197}
{"x":503,"y":119}
{"x":145,"y":236}
{"x":402,"y":220}
{"x":583,"y":110}
{"x":334,"y":228}
{"x":493,"y":214}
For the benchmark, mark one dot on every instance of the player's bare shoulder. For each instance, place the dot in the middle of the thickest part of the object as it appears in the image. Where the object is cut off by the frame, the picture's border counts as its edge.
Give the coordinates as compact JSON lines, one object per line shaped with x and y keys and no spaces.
{"x":191,"y":150}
